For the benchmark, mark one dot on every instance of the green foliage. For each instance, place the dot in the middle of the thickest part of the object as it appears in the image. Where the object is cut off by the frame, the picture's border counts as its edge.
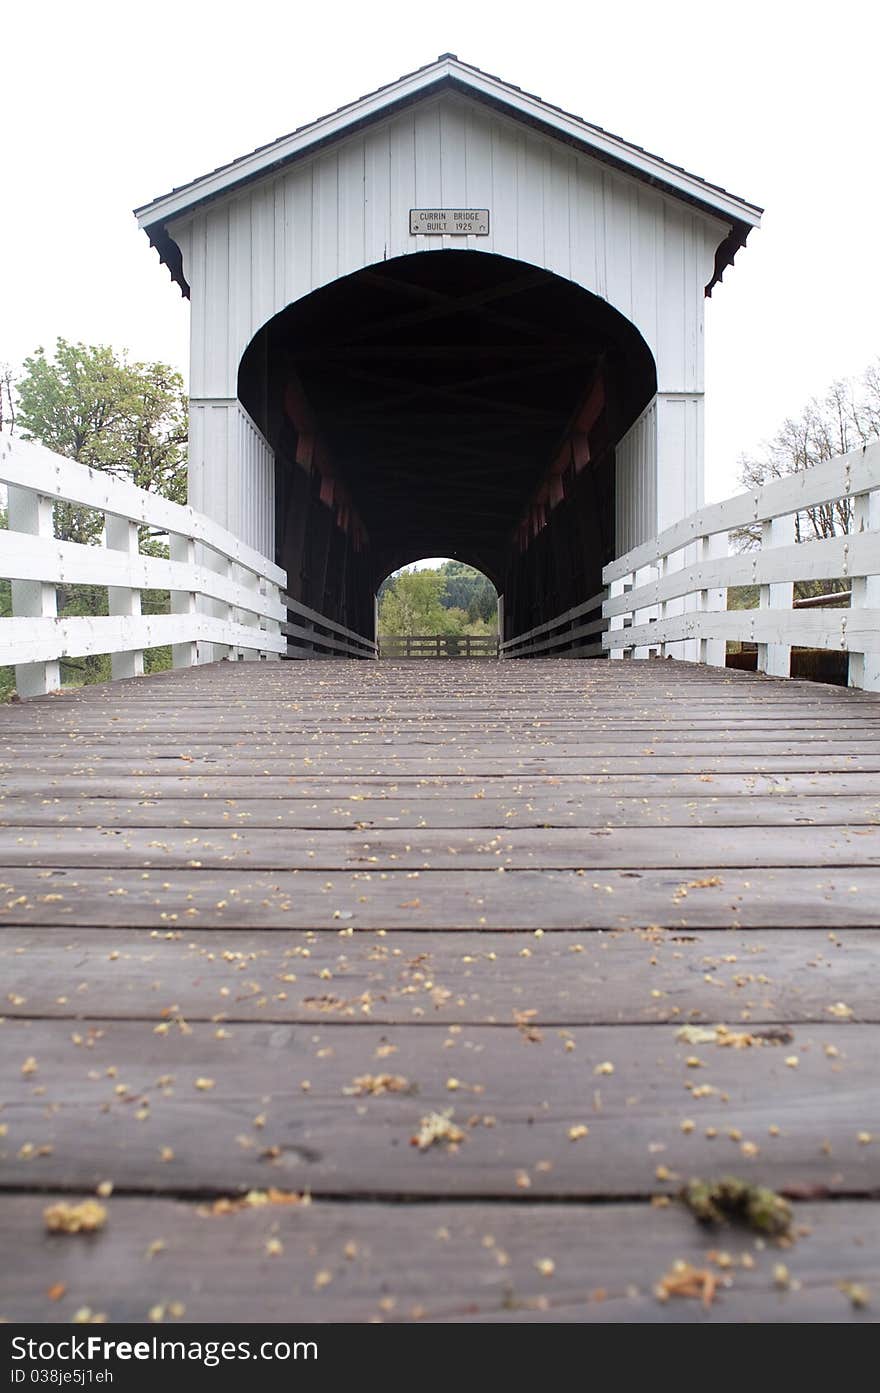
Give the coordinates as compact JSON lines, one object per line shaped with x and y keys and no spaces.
{"x":411,"y":604}
{"x":743,"y":596}
{"x":454,"y":599}
{"x":93,"y":405}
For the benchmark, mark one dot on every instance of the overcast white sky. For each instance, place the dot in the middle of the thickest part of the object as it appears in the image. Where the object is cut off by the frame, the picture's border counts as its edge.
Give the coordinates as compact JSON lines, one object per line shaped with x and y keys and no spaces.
{"x":105,"y":105}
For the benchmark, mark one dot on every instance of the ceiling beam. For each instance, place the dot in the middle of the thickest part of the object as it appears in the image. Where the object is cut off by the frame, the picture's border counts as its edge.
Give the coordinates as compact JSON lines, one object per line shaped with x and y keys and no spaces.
{"x":389,"y":492}
{"x":441,"y":351}
{"x":438,"y":297}
{"x":462,"y":390}
{"x":464,"y":442}
{"x":447,"y":306}
{"x":378,"y":414}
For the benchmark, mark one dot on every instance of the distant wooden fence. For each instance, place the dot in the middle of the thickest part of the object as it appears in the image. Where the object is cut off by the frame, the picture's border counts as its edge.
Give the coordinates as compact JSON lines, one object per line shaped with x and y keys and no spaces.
{"x":224,"y":595}
{"x":669,"y":595}
{"x":438,"y":645}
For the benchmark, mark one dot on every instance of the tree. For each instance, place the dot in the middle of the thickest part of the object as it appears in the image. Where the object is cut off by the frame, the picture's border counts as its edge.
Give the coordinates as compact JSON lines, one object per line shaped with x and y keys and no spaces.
{"x":7,"y":400}
{"x":93,"y":405}
{"x":410,"y":604}
{"x":848,"y":415}
{"x":468,"y":589}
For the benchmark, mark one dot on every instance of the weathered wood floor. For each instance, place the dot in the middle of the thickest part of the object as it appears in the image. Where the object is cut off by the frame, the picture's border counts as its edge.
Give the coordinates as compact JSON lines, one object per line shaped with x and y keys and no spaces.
{"x":259,"y":921}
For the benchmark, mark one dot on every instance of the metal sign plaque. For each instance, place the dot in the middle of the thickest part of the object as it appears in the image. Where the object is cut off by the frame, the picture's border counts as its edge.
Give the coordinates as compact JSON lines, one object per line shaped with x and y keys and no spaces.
{"x":449,"y":222}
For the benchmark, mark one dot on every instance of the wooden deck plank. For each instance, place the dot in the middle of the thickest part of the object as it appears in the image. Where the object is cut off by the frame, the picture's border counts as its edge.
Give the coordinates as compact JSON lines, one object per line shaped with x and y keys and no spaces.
{"x":176,"y":901}
{"x":97,"y":786}
{"x":409,"y":743}
{"x":463,"y":848}
{"x":224,"y":766}
{"x":459,"y":977}
{"x":357,"y":1262}
{"x":107,"y":1098}
{"x":402,"y":750}
{"x":841,"y":810}
{"x":634,"y":730}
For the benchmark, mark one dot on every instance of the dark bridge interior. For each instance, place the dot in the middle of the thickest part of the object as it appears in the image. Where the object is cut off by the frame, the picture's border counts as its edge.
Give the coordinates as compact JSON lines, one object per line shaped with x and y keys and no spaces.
{"x":446,"y":404}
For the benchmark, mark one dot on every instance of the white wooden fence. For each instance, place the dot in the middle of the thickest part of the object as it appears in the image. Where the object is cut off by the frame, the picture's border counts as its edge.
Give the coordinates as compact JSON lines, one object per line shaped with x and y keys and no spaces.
{"x":669,"y":595}
{"x":241,"y":588}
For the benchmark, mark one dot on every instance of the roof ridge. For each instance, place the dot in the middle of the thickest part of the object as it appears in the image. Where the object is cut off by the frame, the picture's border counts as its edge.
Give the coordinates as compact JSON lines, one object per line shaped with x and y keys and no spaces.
{"x":444,"y":60}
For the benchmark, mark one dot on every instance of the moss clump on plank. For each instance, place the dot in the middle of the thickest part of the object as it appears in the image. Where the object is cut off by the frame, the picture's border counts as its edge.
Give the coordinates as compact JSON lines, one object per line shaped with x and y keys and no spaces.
{"x":730,"y":1200}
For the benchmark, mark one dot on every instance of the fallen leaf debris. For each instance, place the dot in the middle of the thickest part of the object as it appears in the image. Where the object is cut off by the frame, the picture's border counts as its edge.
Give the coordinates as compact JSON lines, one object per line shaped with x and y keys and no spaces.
{"x":730,"y":1200}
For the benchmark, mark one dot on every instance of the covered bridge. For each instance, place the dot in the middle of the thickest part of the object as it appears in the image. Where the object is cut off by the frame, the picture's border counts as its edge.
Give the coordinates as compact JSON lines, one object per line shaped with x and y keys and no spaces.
{"x":447,"y":319}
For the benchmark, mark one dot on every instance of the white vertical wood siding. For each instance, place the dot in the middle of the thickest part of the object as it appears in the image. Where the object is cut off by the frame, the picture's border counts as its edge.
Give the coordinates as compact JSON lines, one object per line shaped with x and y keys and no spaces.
{"x":635,"y":482}
{"x":659,"y":468}
{"x":252,"y":491}
{"x":232,"y":471}
{"x":679,"y":456}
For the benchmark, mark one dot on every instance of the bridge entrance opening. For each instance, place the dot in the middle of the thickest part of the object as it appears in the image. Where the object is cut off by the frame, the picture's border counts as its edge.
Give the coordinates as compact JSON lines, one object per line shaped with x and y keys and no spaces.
{"x":437,"y":608}
{"x":446,"y":403}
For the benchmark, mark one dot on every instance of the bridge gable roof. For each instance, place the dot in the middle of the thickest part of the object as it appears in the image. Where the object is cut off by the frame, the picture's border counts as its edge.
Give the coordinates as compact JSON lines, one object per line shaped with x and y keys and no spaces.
{"x":449,"y":73}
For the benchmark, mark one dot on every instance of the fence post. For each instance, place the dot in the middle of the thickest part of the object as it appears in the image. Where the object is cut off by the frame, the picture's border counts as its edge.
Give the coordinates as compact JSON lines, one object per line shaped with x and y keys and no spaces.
{"x":864,"y":667}
{"x":775,"y":658}
{"x":230,"y":613}
{"x":211,"y":560}
{"x":247,"y":580}
{"x":615,"y":589}
{"x":644,"y":576}
{"x":183,"y":549}
{"x":666,"y":609}
{"x":33,"y":599}
{"x":712,"y":600}
{"x":271,"y":626}
{"x":120,"y":534}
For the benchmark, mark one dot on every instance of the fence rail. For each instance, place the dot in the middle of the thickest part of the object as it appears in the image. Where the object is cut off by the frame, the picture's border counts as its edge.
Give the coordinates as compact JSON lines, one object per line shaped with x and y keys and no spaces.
{"x":563,"y":631}
{"x":223,"y":593}
{"x":319,"y":637}
{"x":438,"y":645}
{"x":669,"y":595}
